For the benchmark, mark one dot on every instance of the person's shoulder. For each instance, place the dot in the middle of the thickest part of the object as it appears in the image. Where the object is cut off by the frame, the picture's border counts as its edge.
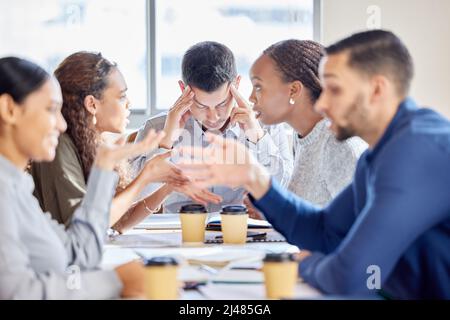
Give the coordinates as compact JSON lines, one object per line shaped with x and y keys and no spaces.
{"x":356,"y":145}
{"x":278,"y":132}
{"x":426,"y":128}
{"x":273,"y":128}
{"x":8,"y":197}
{"x":351,"y":148}
{"x":425,"y":121}
{"x":67,"y":162}
{"x":65,"y":142}
{"x":155,"y":122}
{"x":421,"y":142}
{"x":66,"y":150}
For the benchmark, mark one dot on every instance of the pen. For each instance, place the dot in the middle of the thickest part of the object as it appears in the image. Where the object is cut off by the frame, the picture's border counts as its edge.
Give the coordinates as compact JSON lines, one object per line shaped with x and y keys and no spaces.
{"x":208,"y":269}
{"x":246,"y":268}
{"x":250,"y":235}
{"x":143,"y":258}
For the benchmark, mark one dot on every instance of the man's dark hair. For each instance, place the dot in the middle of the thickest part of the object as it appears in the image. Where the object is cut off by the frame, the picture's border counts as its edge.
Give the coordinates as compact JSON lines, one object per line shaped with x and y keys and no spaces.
{"x":378,"y":52}
{"x":208,"y":65}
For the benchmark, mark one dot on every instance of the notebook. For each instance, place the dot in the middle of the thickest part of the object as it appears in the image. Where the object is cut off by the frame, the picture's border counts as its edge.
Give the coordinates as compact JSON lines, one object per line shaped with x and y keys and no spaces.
{"x":252,"y":236}
{"x":226,"y":257}
{"x":214,"y":223}
{"x":167,"y":221}
{"x":163,"y":221}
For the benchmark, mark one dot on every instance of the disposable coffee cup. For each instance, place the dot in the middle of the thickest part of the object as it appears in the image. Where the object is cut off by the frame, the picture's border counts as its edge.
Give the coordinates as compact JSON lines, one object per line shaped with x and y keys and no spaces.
{"x":234,"y":224}
{"x":280,"y":275}
{"x":161,"y":278}
{"x":193,"y":219}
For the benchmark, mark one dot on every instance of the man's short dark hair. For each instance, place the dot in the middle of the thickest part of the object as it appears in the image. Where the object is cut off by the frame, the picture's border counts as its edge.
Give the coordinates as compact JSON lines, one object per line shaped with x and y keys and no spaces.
{"x":208,"y":65}
{"x":378,"y":52}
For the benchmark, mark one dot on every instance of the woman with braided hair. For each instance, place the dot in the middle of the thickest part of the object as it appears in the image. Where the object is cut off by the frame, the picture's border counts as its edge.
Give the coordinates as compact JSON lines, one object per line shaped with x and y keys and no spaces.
{"x":285,"y":88}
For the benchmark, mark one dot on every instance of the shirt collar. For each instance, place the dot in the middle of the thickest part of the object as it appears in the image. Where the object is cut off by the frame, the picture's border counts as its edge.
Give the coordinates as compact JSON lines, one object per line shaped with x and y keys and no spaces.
{"x":401,"y":116}
{"x":10,"y":174}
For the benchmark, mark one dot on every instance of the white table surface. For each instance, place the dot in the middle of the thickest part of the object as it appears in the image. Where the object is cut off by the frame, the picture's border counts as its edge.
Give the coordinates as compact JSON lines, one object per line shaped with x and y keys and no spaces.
{"x":138,"y":242}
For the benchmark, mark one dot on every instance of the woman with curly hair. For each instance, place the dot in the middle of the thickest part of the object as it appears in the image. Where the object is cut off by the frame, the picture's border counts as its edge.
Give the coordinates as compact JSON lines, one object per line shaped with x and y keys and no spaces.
{"x":39,"y":257}
{"x":95,"y":102}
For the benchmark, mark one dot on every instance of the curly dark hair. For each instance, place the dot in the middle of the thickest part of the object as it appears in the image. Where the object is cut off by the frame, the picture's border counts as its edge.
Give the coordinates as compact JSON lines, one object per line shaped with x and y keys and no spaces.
{"x":82,"y":74}
{"x":299,"y":60}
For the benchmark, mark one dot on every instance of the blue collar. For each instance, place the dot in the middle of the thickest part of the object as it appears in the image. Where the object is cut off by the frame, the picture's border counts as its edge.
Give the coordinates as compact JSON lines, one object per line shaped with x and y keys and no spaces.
{"x":401,"y":116}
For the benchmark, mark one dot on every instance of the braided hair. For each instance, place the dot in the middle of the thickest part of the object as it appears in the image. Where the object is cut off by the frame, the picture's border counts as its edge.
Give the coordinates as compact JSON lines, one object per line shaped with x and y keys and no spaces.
{"x":299,"y":60}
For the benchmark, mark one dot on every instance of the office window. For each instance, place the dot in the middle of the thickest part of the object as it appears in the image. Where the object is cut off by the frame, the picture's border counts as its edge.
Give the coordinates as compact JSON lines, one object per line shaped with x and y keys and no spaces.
{"x":47,"y":31}
{"x":246,"y":27}
{"x":148,"y":38}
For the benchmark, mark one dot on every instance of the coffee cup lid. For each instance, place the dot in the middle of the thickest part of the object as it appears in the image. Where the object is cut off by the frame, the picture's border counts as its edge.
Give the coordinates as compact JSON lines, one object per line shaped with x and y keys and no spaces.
{"x":193,"y":208}
{"x":234,"y":209}
{"x":279,"y":257}
{"x":161,"y":261}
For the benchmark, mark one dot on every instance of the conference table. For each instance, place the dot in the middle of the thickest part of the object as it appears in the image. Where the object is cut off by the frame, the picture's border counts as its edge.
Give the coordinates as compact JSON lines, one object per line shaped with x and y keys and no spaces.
{"x":212,"y":270}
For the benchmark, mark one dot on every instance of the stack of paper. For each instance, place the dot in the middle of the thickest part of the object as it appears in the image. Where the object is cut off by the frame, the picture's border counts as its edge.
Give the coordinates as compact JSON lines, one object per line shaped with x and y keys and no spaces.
{"x":252,"y":291}
{"x":134,"y":239}
{"x":160,"y":221}
{"x":233,"y":276}
{"x":226,"y":257}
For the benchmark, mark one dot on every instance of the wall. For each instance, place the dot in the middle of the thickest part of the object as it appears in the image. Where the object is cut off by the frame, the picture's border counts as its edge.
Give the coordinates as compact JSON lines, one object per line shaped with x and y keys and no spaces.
{"x":423,"y":25}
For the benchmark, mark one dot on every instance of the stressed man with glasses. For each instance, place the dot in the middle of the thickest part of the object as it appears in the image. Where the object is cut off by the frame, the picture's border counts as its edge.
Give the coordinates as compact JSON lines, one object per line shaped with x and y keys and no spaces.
{"x":210,"y":102}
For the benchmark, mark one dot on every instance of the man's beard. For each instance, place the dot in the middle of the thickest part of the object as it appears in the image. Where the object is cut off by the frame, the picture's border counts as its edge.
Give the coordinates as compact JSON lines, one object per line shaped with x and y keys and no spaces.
{"x":344,"y":133}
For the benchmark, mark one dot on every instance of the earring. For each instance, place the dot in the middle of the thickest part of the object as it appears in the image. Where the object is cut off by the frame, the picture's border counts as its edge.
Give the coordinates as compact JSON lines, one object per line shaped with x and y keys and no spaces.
{"x":94,"y":119}
{"x":291,"y":101}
